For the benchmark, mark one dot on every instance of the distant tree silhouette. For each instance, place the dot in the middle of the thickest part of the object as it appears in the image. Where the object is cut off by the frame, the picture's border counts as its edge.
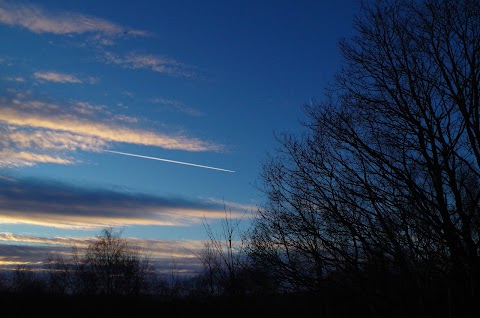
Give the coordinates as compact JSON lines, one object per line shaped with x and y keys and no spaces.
{"x":4,"y":282}
{"x":27,"y":281}
{"x":223,"y":258}
{"x":60,"y":276}
{"x":384,"y":185}
{"x":109,"y":266}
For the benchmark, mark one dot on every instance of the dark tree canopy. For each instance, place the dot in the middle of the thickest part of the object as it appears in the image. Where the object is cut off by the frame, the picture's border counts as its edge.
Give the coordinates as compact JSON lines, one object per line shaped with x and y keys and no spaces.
{"x":386,"y":177}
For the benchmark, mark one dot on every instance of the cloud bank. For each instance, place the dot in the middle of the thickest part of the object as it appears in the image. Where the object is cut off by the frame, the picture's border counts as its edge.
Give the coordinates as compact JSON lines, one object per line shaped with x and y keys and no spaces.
{"x":64,"y":206}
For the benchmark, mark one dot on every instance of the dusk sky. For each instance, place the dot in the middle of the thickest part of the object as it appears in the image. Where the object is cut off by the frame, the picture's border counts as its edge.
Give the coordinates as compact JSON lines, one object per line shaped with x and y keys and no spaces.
{"x":92,"y":91}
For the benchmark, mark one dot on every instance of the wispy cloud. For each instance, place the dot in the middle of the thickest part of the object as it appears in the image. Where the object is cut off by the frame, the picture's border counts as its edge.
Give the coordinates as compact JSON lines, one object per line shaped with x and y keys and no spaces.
{"x":177,"y":105}
{"x":64,"y":206}
{"x":18,"y":79}
{"x":18,"y":159}
{"x":57,"y":77}
{"x":30,"y":239}
{"x":88,"y":109}
{"x":107,"y":132}
{"x":6,"y":60}
{"x":150,"y":62}
{"x":127,"y":119}
{"x":37,"y":19}
{"x":32,"y":129}
{"x":100,"y":33}
{"x":19,"y":138}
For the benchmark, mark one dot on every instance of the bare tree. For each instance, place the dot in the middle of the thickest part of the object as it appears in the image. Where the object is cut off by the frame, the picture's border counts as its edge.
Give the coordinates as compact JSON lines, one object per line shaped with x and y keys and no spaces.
{"x":111,"y":266}
{"x":222,"y":256}
{"x":387,"y":172}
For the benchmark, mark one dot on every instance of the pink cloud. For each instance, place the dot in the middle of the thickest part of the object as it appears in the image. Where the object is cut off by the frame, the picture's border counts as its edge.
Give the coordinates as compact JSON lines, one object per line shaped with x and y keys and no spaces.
{"x":36,"y":19}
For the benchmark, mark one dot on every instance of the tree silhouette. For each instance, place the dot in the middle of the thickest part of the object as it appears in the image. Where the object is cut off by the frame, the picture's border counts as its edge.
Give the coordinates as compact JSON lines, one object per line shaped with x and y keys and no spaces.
{"x":27,"y":281}
{"x":110,"y":265}
{"x":60,"y":276}
{"x":223,"y":258}
{"x":385,"y":181}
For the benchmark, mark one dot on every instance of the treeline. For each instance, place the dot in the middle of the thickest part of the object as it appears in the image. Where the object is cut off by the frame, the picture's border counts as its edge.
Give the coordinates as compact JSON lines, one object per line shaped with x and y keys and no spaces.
{"x":111,"y":277}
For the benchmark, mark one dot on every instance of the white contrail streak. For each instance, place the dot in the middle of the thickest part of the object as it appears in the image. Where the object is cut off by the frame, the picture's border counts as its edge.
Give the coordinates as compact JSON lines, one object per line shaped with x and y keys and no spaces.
{"x":167,"y":160}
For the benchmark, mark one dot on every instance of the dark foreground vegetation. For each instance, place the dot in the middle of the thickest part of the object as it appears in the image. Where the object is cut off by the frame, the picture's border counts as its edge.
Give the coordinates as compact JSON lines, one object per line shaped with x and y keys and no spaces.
{"x":381,"y":297}
{"x":374,"y":211}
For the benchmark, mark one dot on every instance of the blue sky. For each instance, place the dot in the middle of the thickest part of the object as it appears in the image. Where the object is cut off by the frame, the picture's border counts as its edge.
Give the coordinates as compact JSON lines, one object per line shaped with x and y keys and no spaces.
{"x":201,"y":82}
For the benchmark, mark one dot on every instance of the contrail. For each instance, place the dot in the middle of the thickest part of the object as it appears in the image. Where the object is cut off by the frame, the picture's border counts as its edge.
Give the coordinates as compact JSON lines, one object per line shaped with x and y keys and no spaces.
{"x":167,"y":160}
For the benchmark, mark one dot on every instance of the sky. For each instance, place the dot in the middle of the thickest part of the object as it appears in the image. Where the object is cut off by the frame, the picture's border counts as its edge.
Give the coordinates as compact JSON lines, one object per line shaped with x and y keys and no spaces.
{"x":151,"y":117}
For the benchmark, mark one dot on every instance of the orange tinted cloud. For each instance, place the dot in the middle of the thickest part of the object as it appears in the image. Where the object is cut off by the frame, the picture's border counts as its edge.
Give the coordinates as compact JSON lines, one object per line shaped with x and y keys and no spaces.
{"x":23,"y":158}
{"x":104,"y":131}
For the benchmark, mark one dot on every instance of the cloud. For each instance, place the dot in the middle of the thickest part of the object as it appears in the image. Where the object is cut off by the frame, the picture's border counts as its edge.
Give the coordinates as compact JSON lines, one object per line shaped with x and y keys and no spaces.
{"x":177,"y":105}
{"x":233,"y":206}
{"x":127,"y":119}
{"x":91,"y":110}
{"x":57,"y":77}
{"x":12,"y":256}
{"x":31,"y":105}
{"x":88,"y":109}
{"x":7,"y":237}
{"x":33,"y":131}
{"x":104,"y":131}
{"x":63,"y":78}
{"x":36,"y":19}
{"x":18,"y":138}
{"x":78,"y":126}
{"x":10,"y":158}
{"x":64,"y":206}
{"x":6,"y":60}
{"x":18,"y":79}
{"x":150,"y":62}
